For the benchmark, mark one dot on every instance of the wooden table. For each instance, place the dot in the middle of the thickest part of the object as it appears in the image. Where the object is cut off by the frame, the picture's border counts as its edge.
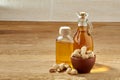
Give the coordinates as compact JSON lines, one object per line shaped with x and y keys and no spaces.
{"x":27,"y":50}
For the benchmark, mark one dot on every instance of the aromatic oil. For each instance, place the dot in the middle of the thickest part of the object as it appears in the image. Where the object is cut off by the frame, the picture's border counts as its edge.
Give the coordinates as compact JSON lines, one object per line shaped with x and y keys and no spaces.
{"x":63,"y":52}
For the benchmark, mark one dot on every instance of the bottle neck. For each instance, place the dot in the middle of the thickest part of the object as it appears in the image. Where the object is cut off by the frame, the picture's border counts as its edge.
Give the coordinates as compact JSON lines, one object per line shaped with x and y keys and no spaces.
{"x":82,"y":22}
{"x":82,"y":28}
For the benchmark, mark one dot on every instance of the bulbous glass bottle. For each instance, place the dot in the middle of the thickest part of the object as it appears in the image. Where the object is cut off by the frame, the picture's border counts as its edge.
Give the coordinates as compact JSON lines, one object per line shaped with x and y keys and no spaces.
{"x":83,"y":35}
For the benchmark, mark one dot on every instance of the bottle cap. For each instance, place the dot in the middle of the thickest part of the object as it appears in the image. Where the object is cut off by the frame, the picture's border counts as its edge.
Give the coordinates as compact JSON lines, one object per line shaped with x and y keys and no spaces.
{"x":64,"y":30}
{"x":82,"y":15}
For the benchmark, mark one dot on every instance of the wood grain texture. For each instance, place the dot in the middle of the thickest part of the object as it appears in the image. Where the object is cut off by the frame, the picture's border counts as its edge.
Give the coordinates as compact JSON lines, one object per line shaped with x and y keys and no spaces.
{"x":27,"y":50}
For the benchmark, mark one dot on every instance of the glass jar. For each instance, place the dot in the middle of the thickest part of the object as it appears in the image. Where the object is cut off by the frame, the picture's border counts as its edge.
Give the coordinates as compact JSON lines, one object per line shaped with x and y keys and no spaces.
{"x":64,"y":45}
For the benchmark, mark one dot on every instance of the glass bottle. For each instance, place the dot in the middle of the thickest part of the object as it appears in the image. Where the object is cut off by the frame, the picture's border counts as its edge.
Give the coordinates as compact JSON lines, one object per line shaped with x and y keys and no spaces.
{"x":83,"y":35}
{"x":64,"y":45}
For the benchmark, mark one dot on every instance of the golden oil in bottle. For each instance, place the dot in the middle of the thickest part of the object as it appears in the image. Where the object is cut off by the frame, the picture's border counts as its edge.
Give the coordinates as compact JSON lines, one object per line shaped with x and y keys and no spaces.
{"x":64,"y":46}
{"x":83,"y":36}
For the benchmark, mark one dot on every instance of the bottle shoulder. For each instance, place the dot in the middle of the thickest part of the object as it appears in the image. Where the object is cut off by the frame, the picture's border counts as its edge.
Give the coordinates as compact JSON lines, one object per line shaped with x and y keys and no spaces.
{"x":82,"y":36}
{"x":64,"y":39}
{"x":82,"y":31}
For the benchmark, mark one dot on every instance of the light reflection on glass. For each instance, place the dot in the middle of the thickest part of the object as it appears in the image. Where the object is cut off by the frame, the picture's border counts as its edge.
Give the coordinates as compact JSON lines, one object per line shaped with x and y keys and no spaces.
{"x":100,"y":68}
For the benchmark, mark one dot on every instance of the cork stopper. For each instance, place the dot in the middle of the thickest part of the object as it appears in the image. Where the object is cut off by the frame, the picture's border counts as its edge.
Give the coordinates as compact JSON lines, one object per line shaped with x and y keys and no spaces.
{"x":64,"y":30}
{"x":82,"y":15}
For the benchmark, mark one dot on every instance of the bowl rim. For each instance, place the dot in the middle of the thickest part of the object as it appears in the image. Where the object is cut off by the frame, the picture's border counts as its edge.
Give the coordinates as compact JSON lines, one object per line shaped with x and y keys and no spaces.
{"x":80,"y":58}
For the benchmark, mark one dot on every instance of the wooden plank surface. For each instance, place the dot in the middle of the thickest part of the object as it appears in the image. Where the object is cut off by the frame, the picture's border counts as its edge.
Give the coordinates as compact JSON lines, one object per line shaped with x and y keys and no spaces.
{"x":27,"y":50}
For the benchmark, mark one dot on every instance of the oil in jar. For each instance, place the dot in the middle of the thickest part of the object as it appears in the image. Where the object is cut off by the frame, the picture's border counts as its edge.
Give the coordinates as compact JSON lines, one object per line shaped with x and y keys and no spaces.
{"x":63,"y":52}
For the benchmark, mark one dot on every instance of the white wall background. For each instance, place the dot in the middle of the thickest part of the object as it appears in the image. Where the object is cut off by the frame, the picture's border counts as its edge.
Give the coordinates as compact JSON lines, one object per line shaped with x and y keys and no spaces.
{"x":59,"y":10}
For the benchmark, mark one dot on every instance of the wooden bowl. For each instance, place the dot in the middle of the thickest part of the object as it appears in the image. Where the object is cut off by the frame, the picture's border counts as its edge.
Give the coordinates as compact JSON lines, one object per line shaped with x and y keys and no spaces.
{"x":83,"y":65}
